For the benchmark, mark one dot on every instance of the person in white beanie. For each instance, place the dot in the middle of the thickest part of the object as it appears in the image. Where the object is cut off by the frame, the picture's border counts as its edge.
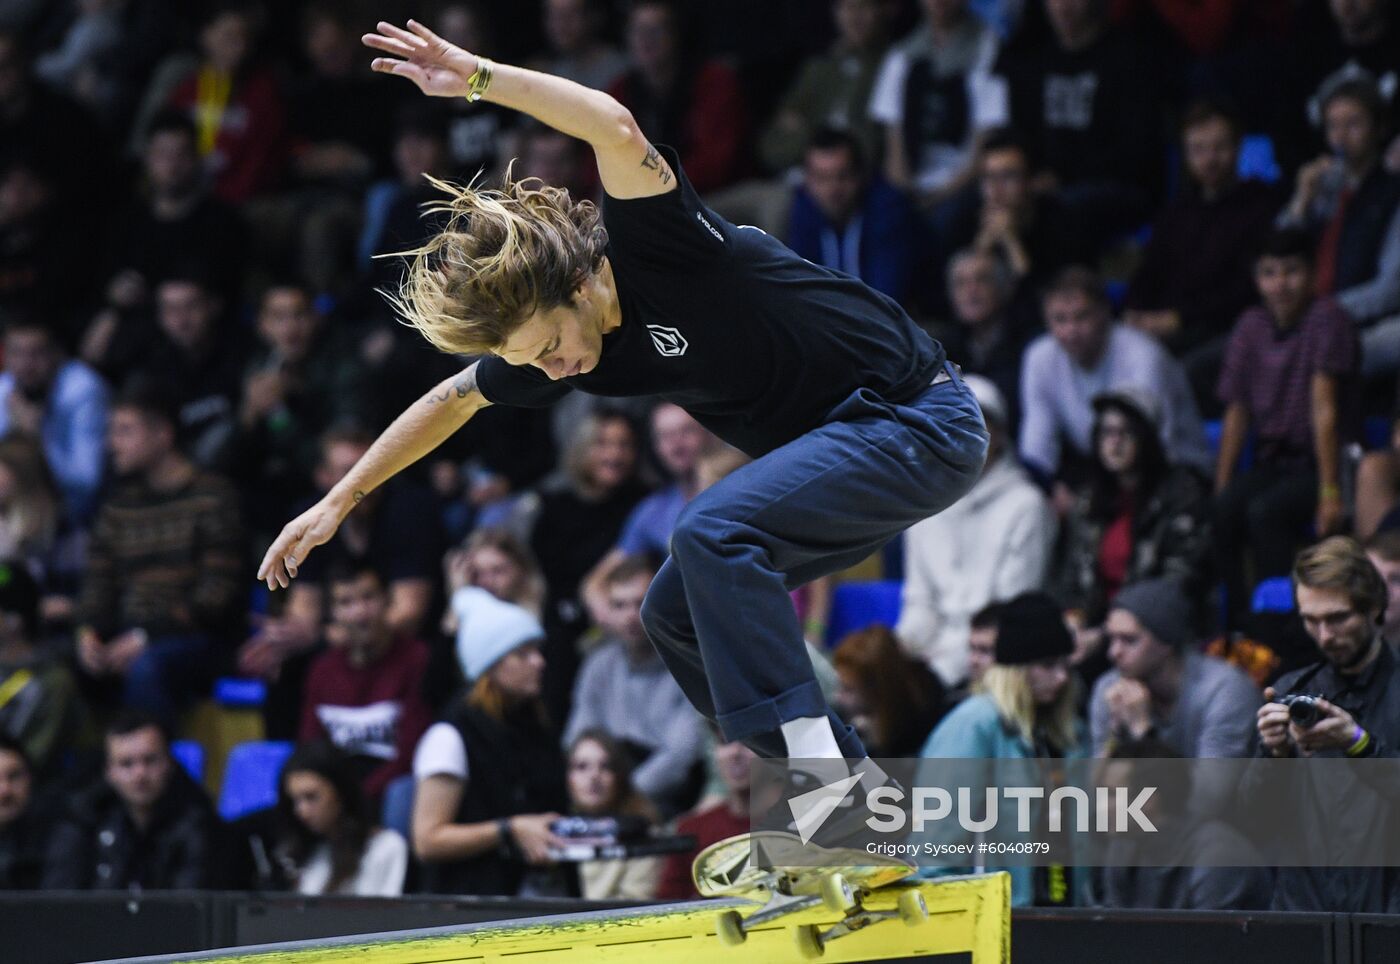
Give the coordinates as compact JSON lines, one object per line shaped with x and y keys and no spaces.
{"x":993,"y":545}
{"x":490,"y":777}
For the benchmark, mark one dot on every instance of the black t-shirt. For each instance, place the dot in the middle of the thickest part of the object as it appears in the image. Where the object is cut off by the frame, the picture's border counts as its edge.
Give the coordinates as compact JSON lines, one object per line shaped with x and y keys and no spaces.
{"x":755,"y":342}
{"x":1092,"y":114}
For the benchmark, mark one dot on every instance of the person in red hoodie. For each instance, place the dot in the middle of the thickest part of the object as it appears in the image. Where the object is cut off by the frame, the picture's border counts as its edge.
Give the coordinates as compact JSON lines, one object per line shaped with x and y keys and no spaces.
{"x":236,"y":106}
{"x":365,"y":692}
{"x":725,"y":816}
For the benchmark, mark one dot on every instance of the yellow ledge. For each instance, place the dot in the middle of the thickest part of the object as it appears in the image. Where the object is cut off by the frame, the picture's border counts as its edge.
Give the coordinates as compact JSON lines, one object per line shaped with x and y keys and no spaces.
{"x":966,"y":914}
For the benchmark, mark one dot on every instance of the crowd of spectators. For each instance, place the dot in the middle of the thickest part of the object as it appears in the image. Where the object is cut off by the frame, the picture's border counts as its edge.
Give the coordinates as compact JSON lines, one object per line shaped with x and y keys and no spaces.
{"x":1162,"y":240}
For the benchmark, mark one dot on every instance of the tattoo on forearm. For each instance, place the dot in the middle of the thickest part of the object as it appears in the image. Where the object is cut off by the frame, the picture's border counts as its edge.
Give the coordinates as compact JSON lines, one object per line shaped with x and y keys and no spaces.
{"x":358,"y":497}
{"x":652,"y":162}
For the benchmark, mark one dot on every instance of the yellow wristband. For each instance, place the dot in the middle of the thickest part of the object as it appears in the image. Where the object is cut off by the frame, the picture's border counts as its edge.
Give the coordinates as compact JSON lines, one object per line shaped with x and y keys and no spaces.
{"x":1330,"y":490}
{"x":480,"y":79}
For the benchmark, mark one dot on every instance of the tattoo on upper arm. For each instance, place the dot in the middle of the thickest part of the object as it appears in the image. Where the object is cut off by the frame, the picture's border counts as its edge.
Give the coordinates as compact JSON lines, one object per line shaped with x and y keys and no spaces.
{"x":653,"y":162}
{"x":358,"y":497}
{"x":462,"y":386}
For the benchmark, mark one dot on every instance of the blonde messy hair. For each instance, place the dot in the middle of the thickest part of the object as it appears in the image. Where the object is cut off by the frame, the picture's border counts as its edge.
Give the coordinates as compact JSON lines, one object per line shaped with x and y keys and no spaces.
{"x":503,"y":255}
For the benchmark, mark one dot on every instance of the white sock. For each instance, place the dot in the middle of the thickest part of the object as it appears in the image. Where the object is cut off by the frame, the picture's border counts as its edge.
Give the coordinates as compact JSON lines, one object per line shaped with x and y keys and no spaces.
{"x":811,"y":738}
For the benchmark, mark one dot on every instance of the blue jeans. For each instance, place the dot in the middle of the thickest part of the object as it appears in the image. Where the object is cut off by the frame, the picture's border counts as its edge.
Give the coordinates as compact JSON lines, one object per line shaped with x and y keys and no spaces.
{"x":168,"y":674}
{"x":718,"y":611}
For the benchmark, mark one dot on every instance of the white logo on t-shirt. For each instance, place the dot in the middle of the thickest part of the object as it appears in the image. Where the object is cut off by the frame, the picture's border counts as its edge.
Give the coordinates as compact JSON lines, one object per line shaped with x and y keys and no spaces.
{"x":370,"y":730}
{"x":708,"y":226}
{"x":669,"y":342}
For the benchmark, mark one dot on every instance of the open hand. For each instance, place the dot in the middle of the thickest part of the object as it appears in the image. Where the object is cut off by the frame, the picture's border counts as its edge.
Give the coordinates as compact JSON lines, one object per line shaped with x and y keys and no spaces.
{"x":439,"y":68}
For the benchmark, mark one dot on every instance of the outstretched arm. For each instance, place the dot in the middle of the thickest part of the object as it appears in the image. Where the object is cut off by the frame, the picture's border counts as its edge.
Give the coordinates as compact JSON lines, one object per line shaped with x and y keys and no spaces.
{"x":628,"y":165}
{"x":422,"y":427}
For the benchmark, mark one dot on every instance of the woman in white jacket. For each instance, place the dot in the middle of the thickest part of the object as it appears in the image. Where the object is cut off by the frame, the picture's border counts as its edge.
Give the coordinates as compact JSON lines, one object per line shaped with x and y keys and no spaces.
{"x":992,"y":545}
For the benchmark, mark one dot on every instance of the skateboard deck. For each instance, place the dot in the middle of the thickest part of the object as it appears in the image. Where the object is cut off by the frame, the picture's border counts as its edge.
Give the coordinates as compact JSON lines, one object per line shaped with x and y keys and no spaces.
{"x":761,"y":867}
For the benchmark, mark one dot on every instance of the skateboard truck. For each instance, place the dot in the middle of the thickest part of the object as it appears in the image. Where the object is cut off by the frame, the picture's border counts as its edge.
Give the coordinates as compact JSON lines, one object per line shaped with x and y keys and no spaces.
{"x":836,"y":894}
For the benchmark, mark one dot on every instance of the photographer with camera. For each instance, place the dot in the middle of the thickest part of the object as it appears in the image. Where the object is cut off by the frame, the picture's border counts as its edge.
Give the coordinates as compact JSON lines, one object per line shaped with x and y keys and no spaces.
{"x":1345,"y":705}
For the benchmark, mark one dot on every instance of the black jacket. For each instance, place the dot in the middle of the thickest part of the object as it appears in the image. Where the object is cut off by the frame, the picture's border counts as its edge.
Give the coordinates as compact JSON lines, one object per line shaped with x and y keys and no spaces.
{"x":95,"y":845}
{"x":21,"y":852}
{"x":1171,"y":537}
{"x":1373,"y":699}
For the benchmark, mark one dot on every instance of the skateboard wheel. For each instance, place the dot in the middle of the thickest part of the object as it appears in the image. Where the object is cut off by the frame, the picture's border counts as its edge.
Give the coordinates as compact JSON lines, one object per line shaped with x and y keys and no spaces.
{"x":912,"y":908}
{"x":810,"y":945}
{"x":837,"y":895}
{"x":730,"y":928}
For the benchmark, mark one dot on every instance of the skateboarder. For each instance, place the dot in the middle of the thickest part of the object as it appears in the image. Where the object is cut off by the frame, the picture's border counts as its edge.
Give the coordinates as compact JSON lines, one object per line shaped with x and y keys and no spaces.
{"x":858,"y":425}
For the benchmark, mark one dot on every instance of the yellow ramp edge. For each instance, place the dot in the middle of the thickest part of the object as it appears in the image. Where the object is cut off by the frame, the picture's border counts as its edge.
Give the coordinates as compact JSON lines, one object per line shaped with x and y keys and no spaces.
{"x":966,"y":914}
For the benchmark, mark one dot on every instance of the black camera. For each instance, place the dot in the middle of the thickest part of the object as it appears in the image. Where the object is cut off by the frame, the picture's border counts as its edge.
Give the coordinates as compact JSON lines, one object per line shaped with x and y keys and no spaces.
{"x":1302,"y":710}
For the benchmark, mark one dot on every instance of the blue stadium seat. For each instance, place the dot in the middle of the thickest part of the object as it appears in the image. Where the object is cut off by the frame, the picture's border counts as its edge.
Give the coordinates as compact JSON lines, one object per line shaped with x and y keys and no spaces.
{"x":251,"y":776}
{"x":190,"y":755}
{"x":1215,"y":428}
{"x":855,"y":605}
{"x":397,"y":813}
{"x":241,"y":693}
{"x":1273,"y":596}
{"x":1257,"y":159}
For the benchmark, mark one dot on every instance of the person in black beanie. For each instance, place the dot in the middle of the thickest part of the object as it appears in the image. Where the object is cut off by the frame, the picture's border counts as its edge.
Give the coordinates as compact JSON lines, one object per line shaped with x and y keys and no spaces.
{"x":1027,"y":709}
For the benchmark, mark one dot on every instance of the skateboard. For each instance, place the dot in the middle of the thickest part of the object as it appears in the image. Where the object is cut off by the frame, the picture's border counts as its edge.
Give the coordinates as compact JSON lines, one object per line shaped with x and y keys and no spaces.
{"x":752,"y":866}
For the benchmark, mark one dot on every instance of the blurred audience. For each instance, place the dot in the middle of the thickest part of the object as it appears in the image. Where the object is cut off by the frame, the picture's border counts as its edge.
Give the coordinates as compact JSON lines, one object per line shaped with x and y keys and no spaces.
{"x":1137,"y":517}
{"x":713,"y":821}
{"x":993,"y":544}
{"x":679,"y":443}
{"x":329,"y":844}
{"x":847,"y":218}
{"x":987,"y":337}
{"x":1340,"y":598}
{"x":1288,"y":376}
{"x":1352,"y":203}
{"x":576,"y":49}
{"x":21,"y":835}
{"x":144,"y":825}
{"x":1090,"y":97}
{"x":932,"y":98}
{"x":491,"y":778}
{"x":236,"y":105}
{"x":892,"y":700}
{"x":624,"y":689}
{"x":163,"y":594}
{"x":1160,"y":685}
{"x":1383,"y":549}
{"x":600,"y":785}
{"x":696,"y":106}
{"x":39,"y":708}
{"x":570,"y":521}
{"x":1026,"y":709}
{"x":364,"y":694}
{"x":1084,"y":353}
{"x":832,"y":89}
{"x":1196,"y":274}
{"x":59,"y":403}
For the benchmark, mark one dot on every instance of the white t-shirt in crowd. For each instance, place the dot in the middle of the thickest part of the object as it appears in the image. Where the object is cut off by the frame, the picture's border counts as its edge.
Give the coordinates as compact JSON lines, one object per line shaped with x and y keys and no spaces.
{"x":381,"y":873}
{"x":440,"y":752}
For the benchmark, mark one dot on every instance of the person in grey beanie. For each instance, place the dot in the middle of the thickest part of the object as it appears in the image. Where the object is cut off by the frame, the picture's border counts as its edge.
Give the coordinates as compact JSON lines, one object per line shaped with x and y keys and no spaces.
{"x":1161,"y":686}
